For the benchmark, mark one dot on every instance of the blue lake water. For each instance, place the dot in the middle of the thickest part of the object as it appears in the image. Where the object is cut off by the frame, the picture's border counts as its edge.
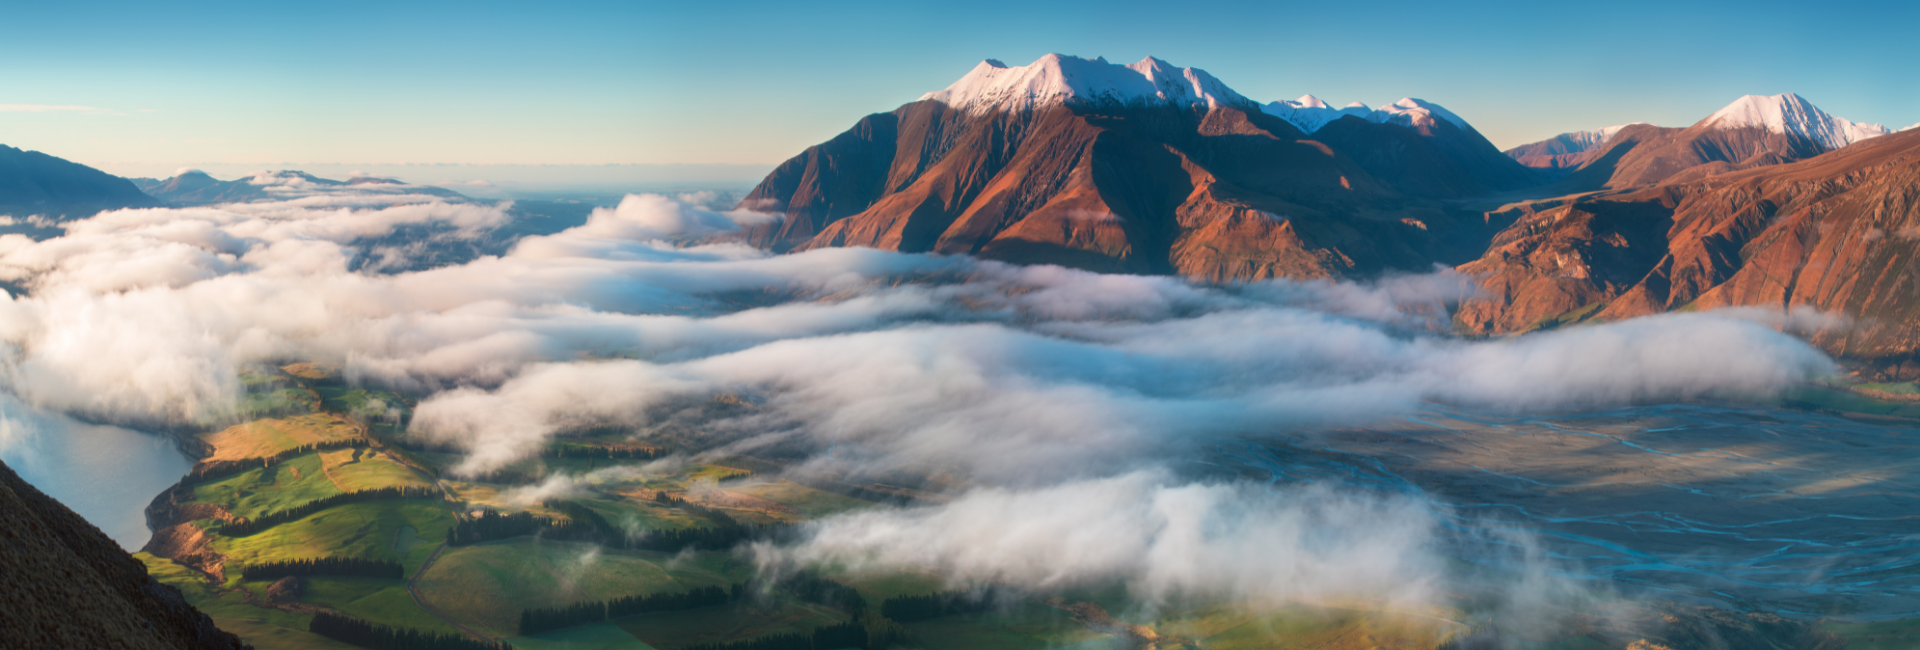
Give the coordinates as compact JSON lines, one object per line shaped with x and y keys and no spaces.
{"x":107,"y":474}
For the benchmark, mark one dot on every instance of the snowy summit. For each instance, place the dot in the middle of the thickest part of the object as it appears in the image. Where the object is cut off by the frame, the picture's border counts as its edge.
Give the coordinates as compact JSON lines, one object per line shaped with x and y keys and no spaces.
{"x":1058,"y":79}
{"x":1579,"y":141}
{"x":1791,"y":113}
{"x":1310,"y":113}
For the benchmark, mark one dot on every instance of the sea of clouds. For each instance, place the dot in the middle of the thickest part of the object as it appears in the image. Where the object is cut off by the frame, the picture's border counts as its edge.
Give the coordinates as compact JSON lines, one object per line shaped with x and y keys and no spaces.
{"x":1054,"y":404}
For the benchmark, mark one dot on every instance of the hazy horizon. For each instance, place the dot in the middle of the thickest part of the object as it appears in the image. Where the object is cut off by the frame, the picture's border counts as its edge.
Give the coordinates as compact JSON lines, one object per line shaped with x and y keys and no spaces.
{"x":748,"y":84}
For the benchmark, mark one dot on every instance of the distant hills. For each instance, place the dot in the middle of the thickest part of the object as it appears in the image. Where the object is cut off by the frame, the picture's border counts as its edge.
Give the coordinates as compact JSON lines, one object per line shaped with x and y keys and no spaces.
{"x":1753,"y":131}
{"x":34,"y":183}
{"x":194,"y":187}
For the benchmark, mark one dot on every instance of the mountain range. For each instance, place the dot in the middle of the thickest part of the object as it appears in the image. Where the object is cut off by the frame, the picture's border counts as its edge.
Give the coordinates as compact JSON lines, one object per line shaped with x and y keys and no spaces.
{"x":1153,"y":168}
{"x":37,"y":184}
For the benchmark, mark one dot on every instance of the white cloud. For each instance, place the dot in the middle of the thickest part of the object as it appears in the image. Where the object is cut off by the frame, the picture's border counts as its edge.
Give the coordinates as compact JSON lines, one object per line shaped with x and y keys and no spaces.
{"x":1052,"y":398}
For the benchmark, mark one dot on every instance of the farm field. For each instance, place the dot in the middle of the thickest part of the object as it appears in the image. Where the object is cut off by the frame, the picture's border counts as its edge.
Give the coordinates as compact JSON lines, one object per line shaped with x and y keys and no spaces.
{"x":480,"y":586}
{"x":487,"y":585}
{"x":262,"y":438}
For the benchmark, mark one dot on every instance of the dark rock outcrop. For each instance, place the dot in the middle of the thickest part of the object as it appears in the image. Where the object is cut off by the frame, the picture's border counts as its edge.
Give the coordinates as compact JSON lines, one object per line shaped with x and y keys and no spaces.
{"x":65,"y":584}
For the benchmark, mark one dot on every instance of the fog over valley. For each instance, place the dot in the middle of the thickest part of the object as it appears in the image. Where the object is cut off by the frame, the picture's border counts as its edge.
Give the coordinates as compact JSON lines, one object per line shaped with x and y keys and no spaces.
{"x":1046,"y":428}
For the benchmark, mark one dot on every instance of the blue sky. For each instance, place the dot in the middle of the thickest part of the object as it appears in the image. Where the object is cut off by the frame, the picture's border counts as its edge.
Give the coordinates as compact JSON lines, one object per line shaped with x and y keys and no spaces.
{"x":755,"y":82}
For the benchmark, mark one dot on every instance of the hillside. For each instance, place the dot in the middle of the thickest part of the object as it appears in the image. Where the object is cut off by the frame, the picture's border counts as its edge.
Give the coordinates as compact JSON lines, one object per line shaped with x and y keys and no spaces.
{"x":34,"y":183}
{"x":1838,"y":232}
{"x":66,"y":585}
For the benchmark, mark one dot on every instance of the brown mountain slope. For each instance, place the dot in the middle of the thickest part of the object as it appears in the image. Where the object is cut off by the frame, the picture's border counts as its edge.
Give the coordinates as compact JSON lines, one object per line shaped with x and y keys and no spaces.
{"x":1430,"y":157}
{"x":1221,"y":193}
{"x":1642,"y":154}
{"x":64,"y":584}
{"x":1838,"y":232}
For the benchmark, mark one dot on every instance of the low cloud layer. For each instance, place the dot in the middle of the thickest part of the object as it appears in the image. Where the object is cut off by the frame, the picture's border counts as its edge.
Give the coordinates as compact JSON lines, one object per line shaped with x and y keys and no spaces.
{"x":1050,"y":400}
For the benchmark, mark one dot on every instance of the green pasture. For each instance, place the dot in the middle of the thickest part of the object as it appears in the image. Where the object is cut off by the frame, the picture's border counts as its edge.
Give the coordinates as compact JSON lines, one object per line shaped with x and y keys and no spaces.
{"x":1028,"y":626}
{"x":375,"y":599}
{"x":256,"y":492}
{"x":262,"y":627}
{"x":487,"y":585}
{"x":370,"y":529}
{"x":354,"y":470}
{"x":737,"y":621}
{"x":604,"y":636}
{"x":1903,"y":634}
{"x":262,"y":438}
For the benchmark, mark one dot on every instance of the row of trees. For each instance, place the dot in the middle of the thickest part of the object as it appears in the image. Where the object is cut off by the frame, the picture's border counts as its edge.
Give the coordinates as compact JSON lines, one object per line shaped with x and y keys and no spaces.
{"x":851,"y":634}
{"x":944,"y":603}
{"x":535,"y":621}
{"x":245,"y":527}
{"x":325,"y":566}
{"x":610,"y":452}
{"x":810,"y":587}
{"x":365,"y":634}
{"x":218,"y":469}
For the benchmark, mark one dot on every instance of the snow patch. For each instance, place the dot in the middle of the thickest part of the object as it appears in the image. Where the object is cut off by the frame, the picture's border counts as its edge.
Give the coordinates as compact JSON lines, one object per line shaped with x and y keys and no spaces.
{"x":1791,"y":113}
{"x":1057,"y":79}
{"x":1310,"y":113}
{"x":1582,"y":141}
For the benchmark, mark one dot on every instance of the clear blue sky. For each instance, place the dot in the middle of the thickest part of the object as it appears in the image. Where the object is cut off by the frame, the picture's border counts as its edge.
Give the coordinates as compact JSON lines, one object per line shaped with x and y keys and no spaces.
{"x":755,"y":82}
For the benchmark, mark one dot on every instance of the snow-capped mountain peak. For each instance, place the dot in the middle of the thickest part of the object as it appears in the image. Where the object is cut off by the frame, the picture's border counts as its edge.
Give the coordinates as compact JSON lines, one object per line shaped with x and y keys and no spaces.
{"x":1791,"y":113}
{"x":1589,"y":140}
{"x":1310,"y":113}
{"x":1309,"y":101}
{"x":1059,"y":79}
{"x":1414,"y":112}
{"x":1910,"y":128}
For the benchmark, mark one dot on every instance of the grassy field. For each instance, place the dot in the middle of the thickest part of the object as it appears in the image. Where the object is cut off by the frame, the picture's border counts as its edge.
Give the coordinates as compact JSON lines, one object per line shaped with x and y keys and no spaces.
{"x":262,"y":627}
{"x":605,"y":636}
{"x":487,"y":585}
{"x":674,"y":630}
{"x":373,"y":599}
{"x":1816,"y":397}
{"x":353,"y":470}
{"x":1301,"y":626}
{"x":261,"y":438}
{"x":876,"y":588}
{"x":1902,"y":634}
{"x":371,"y":529}
{"x":257,"y":492}
{"x":807,"y":502}
{"x":1030,"y":626}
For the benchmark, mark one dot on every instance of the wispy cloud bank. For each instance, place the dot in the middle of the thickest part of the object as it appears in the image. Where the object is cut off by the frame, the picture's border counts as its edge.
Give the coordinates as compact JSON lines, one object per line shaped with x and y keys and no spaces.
{"x":1049,"y":402}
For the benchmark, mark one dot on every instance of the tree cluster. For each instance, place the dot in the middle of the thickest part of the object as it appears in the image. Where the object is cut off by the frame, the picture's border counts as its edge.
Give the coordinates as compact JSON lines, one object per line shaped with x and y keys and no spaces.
{"x":247,"y":527}
{"x":536,"y":621}
{"x":934,"y":605}
{"x":325,"y":566}
{"x":218,"y":469}
{"x":810,"y":587}
{"x":609,"y":452}
{"x":366,"y":634}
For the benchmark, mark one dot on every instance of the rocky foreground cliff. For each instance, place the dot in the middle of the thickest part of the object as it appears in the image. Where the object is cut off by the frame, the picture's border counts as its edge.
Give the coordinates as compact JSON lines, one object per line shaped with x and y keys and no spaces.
{"x":65,"y":584}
